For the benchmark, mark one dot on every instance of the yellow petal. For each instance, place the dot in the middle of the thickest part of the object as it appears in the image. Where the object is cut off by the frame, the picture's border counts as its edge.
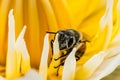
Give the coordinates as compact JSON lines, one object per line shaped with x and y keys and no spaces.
{"x":33,"y":30}
{"x":61,"y":13}
{"x":4,"y":9}
{"x":18,"y":13}
{"x":104,"y":34}
{"x":44,"y":58}
{"x":79,"y":10}
{"x":51,"y":19}
{"x":69,"y":67}
{"x":2,"y":70}
{"x":91,"y":23}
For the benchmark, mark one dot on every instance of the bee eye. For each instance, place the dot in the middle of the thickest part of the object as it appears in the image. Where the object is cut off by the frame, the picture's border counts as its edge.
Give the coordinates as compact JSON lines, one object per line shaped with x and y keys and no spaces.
{"x":70,"y":42}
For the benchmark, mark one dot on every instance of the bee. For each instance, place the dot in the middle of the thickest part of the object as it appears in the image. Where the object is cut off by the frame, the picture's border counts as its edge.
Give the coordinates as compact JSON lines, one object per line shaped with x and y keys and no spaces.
{"x":68,"y":39}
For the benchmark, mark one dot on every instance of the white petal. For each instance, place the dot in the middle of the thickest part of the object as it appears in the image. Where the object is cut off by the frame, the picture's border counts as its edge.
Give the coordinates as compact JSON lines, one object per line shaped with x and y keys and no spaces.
{"x":92,"y":64}
{"x":106,"y":26}
{"x":11,"y":62}
{"x":44,"y":58}
{"x":31,"y":75}
{"x":69,"y":66}
{"x":118,"y":5}
{"x":1,"y":78}
{"x":22,"y":50}
{"x":108,"y":66}
{"x":56,"y":54}
{"x":21,"y":35}
{"x":11,"y":31}
{"x":56,"y":49}
{"x":113,"y":51}
{"x":115,"y":41}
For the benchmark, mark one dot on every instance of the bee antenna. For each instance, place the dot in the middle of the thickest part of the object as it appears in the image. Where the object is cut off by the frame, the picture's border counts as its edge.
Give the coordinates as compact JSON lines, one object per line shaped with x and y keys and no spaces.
{"x":51,"y":32}
{"x":84,"y":41}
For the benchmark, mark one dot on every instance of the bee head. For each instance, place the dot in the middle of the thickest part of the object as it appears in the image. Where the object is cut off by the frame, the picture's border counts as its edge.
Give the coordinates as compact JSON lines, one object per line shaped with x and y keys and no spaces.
{"x":67,"y":39}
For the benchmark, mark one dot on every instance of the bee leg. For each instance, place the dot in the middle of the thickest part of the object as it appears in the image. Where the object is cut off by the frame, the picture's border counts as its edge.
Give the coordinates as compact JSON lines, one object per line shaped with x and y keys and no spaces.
{"x":61,"y":64}
{"x":52,"y":45}
{"x":60,"y":57}
{"x":51,"y":42}
{"x":58,"y":67}
{"x":64,"y":55}
{"x":62,"y":61}
{"x":84,"y":41}
{"x":78,"y":55}
{"x":58,"y":71}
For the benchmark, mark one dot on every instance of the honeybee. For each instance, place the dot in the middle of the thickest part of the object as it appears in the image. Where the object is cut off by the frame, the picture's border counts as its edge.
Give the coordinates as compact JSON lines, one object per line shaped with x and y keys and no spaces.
{"x":68,"y":39}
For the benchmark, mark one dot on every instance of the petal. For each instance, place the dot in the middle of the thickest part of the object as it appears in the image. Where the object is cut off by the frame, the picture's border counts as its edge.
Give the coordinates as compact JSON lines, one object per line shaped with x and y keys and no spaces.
{"x":4,"y":9}
{"x":56,"y":54}
{"x":13,"y":59}
{"x":116,"y":18}
{"x":115,"y":41}
{"x":107,"y":67}
{"x":114,"y":75}
{"x":1,"y":78}
{"x":2,"y":70}
{"x":90,"y":66}
{"x":44,"y":58}
{"x":106,"y":24}
{"x":31,"y":75}
{"x":113,"y":51}
{"x":78,"y":11}
{"x":69,"y":66}
{"x":61,"y":13}
{"x":11,"y":32}
{"x":51,"y":19}
{"x":18,"y":13}
{"x":87,"y":25}
{"x":104,"y":34}
{"x":33,"y":30}
{"x":21,"y":49}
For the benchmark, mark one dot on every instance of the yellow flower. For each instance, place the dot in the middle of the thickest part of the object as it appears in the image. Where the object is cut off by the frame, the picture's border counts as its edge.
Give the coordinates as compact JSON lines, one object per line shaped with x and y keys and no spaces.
{"x":99,"y":23}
